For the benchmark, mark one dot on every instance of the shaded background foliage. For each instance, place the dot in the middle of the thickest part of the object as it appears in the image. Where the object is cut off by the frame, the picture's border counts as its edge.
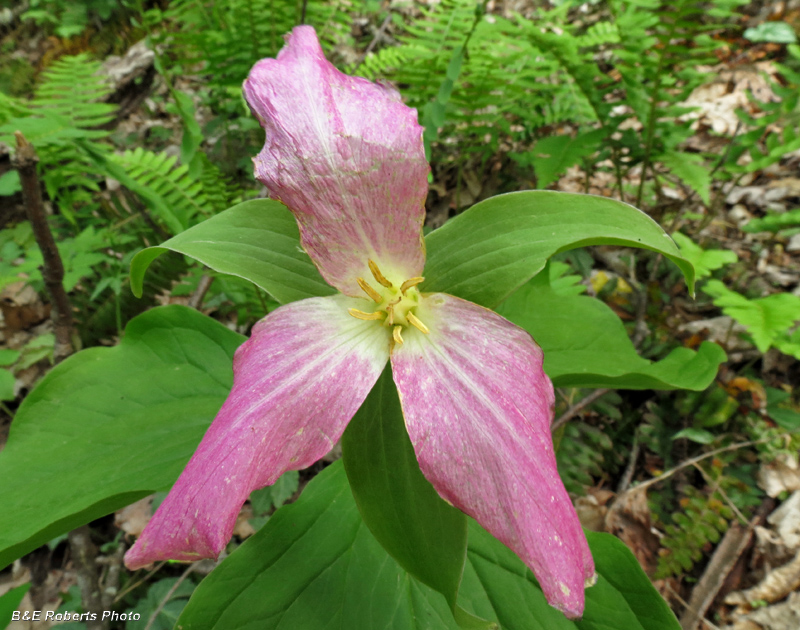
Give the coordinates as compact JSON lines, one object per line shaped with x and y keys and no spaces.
{"x":623,"y":98}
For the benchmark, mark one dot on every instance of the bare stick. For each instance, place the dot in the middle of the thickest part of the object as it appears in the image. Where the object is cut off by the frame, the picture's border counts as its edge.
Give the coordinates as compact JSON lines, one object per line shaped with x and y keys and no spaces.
{"x":169,"y":594}
{"x":84,"y":555}
{"x":694,"y":460}
{"x":138,"y":583}
{"x":573,"y":411}
{"x":373,"y":43}
{"x":196,"y":301}
{"x":726,"y":555}
{"x":25,"y":162}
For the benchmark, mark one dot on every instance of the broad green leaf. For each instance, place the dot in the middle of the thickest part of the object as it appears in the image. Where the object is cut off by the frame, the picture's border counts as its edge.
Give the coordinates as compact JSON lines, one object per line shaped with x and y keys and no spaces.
{"x":425,"y":535}
{"x":704,"y":261}
{"x":766,"y":318}
{"x":586,"y":345}
{"x":256,"y":240}
{"x":316,"y":565}
{"x":615,"y":562}
{"x":9,"y":602}
{"x":489,"y":251}
{"x":109,"y":426}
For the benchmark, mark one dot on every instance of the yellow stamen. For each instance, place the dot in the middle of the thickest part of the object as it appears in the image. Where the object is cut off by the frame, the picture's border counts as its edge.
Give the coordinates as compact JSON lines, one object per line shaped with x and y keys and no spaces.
{"x":369,"y":290}
{"x":362,"y":315}
{"x":416,"y":323}
{"x":390,"y":311}
{"x":376,"y":273}
{"x":397,"y":336}
{"x":411,"y":282}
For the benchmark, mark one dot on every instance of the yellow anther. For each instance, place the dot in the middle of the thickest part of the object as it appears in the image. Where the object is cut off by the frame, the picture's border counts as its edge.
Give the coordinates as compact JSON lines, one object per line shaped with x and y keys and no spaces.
{"x":369,"y":290}
{"x":390,"y":311}
{"x":362,"y":315}
{"x":376,"y":273}
{"x":398,"y":337}
{"x":411,"y":282}
{"x":414,"y":321}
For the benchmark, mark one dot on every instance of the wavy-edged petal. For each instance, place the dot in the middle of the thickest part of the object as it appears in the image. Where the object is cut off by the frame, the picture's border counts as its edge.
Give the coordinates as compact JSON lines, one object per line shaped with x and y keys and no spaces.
{"x":478,"y":409}
{"x":298,"y":381}
{"x":346,"y":156}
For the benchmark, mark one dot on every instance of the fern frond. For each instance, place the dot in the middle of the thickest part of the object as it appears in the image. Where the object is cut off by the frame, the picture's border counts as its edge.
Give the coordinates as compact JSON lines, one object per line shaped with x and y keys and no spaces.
{"x":223,"y":39}
{"x":159,"y":176}
{"x":72,"y":89}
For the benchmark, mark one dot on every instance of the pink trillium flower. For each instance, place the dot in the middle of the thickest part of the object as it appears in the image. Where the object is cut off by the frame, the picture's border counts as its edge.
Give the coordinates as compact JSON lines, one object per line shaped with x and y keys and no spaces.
{"x":346,"y":156}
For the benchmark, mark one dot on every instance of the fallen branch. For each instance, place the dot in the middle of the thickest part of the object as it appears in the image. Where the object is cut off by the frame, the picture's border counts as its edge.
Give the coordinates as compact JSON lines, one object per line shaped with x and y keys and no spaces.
{"x":25,"y":161}
{"x":84,"y":556}
{"x":574,"y":409}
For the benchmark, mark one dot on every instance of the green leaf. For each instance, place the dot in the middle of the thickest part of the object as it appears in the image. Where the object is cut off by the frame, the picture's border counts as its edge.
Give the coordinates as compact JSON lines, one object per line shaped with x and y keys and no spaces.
{"x":9,"y":602}
{"x":7,"y":381}
{"x":704,"y":261}
{"x":425,"y":535}
{"x":284,"y":487}
{"x":775,"y":32}
{"x":766,"y":318}
{"x":162,"y":598}
{"x":692,"y":171}
{"x":487,"y":252}
{"x":9,"y":183}
{"x":109,"y":426}
{"x":701,"y":436}
{"x":585,"y":344}
{"x":256,"y":240}
{"x":316,"y":565}
{"x":783,"y":416}
{"x":615,"y":562}
{"x":8,"y":356}
{"x":552,"y":156}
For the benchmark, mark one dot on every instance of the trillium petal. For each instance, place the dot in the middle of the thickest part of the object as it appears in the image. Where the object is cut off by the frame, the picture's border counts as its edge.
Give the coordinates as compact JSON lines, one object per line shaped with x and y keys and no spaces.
{"x":478,"y":409}
{"x":298,"y":380}
{"x":346,"y":156}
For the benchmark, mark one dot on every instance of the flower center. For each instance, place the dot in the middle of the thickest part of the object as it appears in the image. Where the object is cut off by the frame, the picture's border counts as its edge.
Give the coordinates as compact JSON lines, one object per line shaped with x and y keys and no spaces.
{"x":394,"y":305}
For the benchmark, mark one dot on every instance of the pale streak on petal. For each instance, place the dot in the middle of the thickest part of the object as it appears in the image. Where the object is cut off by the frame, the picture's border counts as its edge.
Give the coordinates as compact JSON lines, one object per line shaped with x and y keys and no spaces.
{"x":478,"y":409}
{"x":298,"y":380}
{"x":346,"y":156}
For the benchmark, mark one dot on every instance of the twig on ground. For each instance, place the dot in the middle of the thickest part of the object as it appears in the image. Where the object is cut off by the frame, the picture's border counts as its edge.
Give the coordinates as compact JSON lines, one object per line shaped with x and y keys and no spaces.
{"x":574,"y":409}
{"x":111,"y":581}
{"x":138,"y":583}
{"x":691,"y":462}
{"x":375,"y":39}
{"x":169,"y":594}
{"x":726,"y":555}
{"x":84,"y":555}
{"x":196,"y":301}
{"x":25,"y":161}
{"x":627,"y":476}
